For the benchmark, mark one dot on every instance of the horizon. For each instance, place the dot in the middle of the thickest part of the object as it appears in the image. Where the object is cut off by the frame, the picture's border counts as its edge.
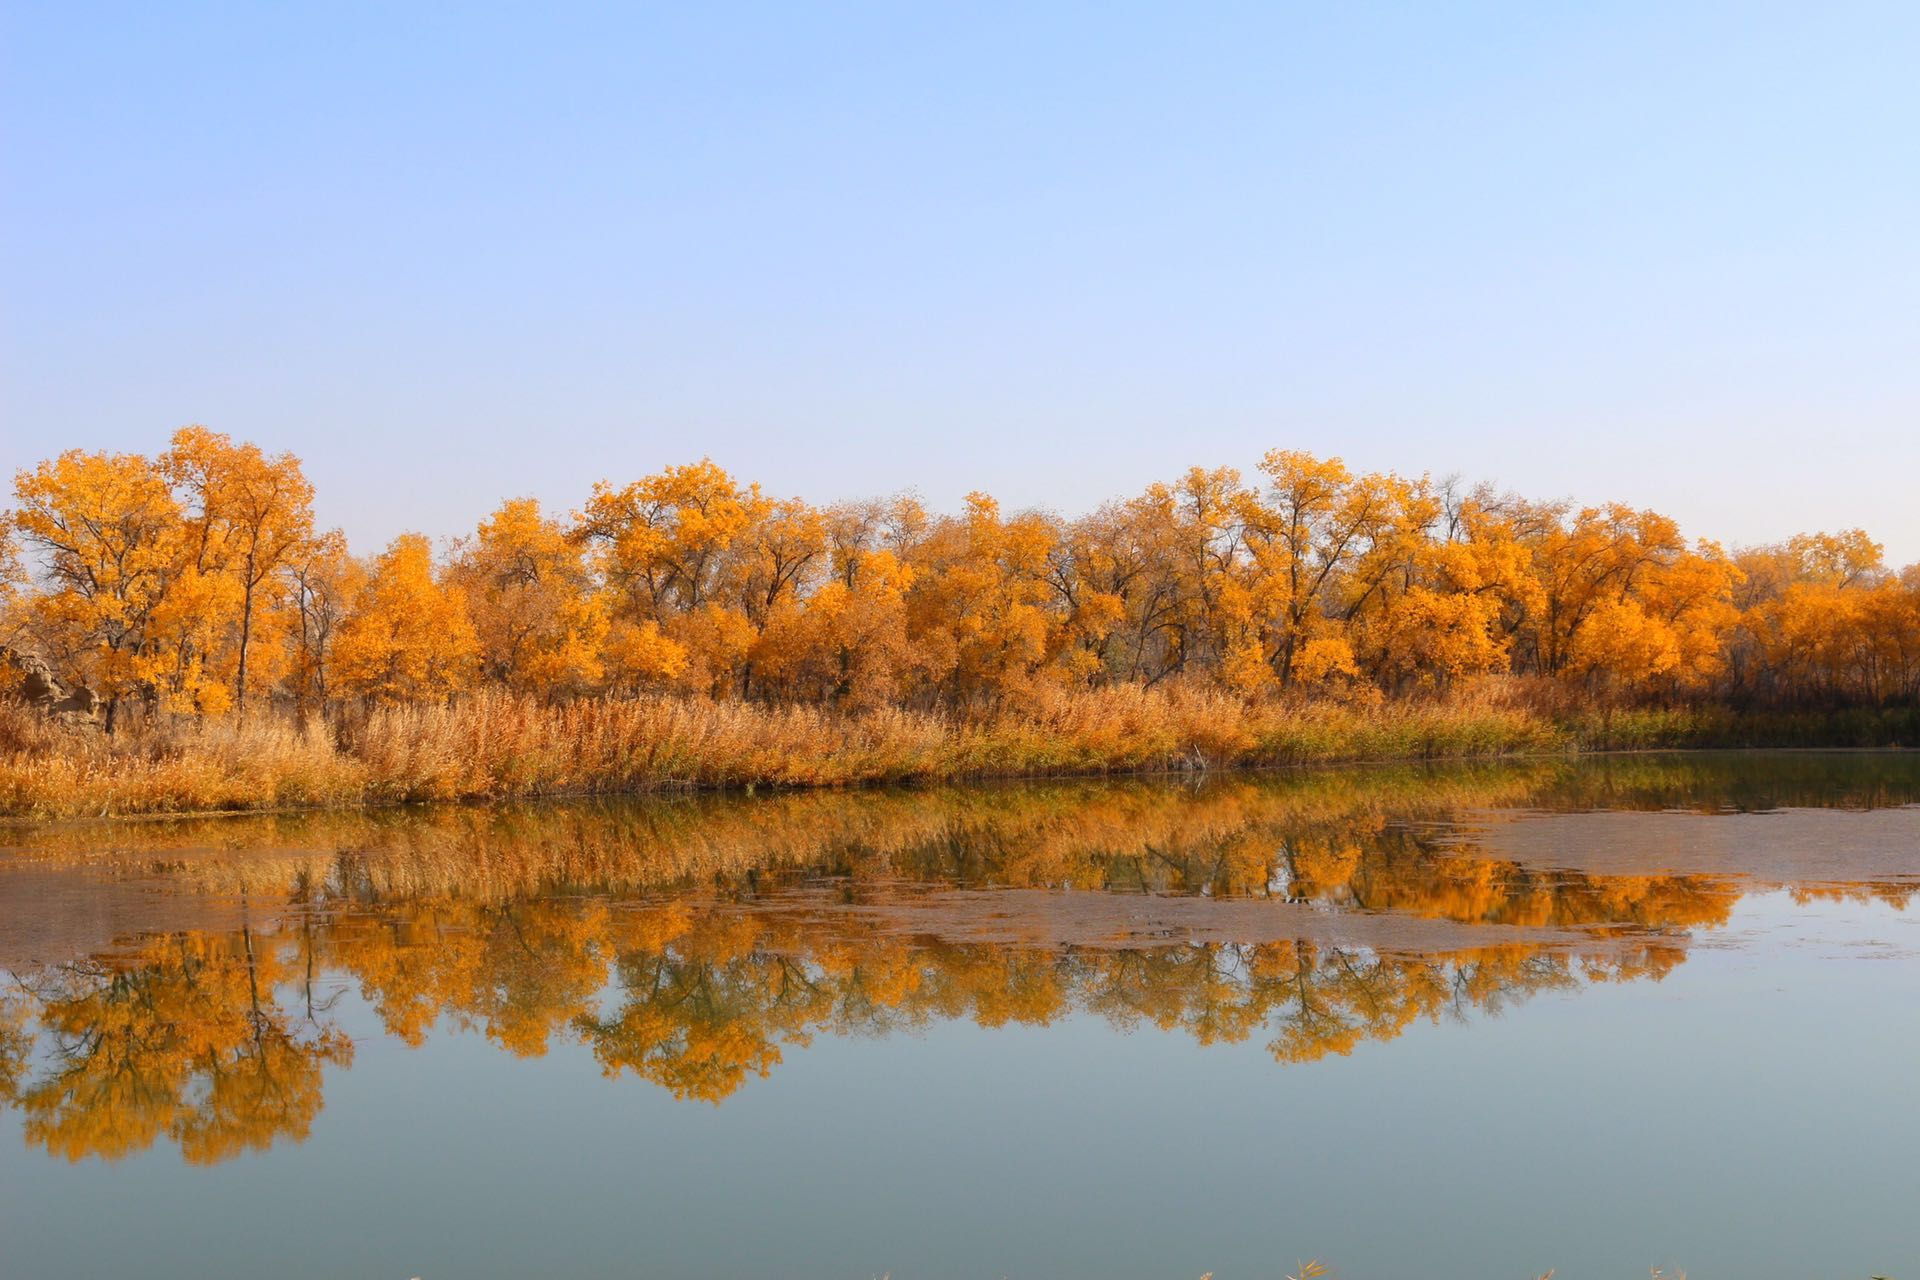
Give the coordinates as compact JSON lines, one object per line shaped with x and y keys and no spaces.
{"x":445,"y":542}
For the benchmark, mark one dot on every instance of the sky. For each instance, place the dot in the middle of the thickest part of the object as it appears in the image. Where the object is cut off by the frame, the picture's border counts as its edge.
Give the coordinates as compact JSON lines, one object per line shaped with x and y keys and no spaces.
{"x":1658,"y":253}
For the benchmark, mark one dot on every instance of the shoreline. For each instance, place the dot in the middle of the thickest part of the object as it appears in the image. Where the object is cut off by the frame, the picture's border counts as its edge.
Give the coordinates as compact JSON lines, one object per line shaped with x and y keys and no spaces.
{"x":373,"y":796}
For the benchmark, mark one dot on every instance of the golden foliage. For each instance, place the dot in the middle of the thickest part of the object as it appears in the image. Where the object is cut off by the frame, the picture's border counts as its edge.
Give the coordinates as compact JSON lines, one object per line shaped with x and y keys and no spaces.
{"x":408,"y":637}
{"x":1315,"y":614}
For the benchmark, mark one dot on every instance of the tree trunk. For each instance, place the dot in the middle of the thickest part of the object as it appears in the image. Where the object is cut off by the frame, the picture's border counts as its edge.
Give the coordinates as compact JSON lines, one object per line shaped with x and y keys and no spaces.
{"x":246,"y":634}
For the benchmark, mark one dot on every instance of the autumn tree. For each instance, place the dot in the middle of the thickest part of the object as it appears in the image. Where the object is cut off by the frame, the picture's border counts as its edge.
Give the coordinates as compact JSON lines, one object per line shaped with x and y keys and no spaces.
{"x":195,"y":581}
{"x":1317,"y":523}
{"x":847,"y":643}
{"x":322,"y":583}
{"x":1217,"y":629}
{"x":1822,"y":618}
{"x":108,"y":529}
{"x":14,"y":584}
{"x":663,"y":541}
{"x":408,"y":637}
{"x":669,"y":547}
{"x":1110,"y":571}
{"x":1622,"y":600}
{"x":249,"y":516}
{"x":1451,"y":581}
{"x":980,"y":603}
{"x":540,"y":622}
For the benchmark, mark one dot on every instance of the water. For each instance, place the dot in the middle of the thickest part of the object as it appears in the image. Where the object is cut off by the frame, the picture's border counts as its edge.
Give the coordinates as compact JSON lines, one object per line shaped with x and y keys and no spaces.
{"x":1461,"y":1022}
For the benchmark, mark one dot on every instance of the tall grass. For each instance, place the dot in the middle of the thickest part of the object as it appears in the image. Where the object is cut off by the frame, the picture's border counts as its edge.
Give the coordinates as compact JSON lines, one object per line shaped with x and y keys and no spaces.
{"x":495,"y":746}
{"x":48,"y":770}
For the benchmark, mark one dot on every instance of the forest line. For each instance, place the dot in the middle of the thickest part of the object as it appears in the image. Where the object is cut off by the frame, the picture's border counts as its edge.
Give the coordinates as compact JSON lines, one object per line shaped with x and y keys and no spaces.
{"x":194,"y":583}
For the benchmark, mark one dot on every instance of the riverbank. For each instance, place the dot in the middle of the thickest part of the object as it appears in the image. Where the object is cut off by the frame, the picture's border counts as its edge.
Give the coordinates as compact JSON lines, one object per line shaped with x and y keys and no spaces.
{"x":501,"y":747}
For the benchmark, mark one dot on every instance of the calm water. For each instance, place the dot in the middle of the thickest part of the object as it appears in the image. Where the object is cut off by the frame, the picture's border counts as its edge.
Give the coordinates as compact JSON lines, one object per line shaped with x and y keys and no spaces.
{"x":1464,"y":1022}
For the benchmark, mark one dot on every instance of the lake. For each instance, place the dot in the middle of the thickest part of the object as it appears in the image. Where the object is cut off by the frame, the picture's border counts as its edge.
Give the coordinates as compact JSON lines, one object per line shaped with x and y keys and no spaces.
{"x":1451,"y":1022}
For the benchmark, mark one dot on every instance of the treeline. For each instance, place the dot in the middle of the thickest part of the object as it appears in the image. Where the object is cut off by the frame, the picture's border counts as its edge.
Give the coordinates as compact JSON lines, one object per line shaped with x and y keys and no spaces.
{"x":195,"y":583}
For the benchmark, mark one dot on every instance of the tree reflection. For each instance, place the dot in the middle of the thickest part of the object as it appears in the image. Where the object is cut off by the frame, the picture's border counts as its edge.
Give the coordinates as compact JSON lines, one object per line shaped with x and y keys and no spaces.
{"x":694,"y":948}
{"x":217,"y":1041}
{"x":184,"y":1040}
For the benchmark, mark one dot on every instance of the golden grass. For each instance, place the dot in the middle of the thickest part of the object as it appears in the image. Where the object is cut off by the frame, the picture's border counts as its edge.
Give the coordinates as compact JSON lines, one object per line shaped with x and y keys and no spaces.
{"x":194,"y":766}
{"x":497,"y":746}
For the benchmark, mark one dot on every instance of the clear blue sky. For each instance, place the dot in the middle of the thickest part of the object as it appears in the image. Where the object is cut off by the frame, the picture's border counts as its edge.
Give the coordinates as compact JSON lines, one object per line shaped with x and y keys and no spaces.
{"x":448,"y":253}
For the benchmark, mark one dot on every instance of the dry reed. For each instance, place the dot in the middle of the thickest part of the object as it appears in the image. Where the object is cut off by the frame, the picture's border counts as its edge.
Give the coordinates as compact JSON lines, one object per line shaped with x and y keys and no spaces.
{"x":497,"y":746}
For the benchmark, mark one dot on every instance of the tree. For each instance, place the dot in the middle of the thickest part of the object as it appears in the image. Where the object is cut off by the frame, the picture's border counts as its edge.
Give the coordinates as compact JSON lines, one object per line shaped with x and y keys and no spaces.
{"x":109,"y":530}
{"x":979,"y":603}
{"x":14,"y":584}
{"x":663,"y":541}
{"x":540,"y":623}
{"x":249,"y":516}
{"x":195,"y":582}
{"x":408,"y":637}
{"x":323,"y":583}
{"x":676,"y":549}
{"x":1318,"y":522}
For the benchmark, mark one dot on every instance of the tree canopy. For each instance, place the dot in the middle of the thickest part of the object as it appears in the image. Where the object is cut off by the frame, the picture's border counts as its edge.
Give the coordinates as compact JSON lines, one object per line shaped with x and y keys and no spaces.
{"x":193,"y":581}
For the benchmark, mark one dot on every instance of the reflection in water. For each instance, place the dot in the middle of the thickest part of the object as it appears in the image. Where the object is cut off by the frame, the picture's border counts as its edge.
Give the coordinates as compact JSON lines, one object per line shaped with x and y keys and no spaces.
{"x":692,"y":943}
{"x":188,"y":1039}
